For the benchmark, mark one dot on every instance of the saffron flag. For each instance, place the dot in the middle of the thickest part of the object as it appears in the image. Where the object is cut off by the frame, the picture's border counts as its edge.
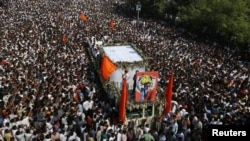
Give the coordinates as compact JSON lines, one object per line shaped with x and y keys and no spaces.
{"x":168,"y":95}
{"x":83,"y":17}
{"x":107,"y":68}
{"x":76,"y":97}
{"x":64,"y":39}
{"x":123,"y":100}
{"x":112,"y":25}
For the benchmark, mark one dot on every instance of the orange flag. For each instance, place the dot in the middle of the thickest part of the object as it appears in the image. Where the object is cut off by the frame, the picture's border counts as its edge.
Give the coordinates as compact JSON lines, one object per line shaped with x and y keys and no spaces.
{"x":64,"y":39}
{"x":83,"y":17}
{"x":168,"y":95}
{"x":112,"y":25}
{"x":107,"y":68}
{"x":123,"y":100}
{"x":76,"y":96}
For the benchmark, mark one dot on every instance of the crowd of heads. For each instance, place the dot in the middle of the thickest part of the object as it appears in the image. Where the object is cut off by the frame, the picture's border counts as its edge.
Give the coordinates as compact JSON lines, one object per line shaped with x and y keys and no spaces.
{"x":44,"y":65}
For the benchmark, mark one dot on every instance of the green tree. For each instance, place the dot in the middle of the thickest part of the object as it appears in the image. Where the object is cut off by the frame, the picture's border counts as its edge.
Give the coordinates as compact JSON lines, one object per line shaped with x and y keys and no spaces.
{"x":218,"y":19}
{"x":223,"y":18}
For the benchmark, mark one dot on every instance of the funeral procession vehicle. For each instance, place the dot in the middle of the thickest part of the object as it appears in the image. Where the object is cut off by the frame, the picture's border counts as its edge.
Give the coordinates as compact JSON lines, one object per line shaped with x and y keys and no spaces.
{"x":145,"y":100}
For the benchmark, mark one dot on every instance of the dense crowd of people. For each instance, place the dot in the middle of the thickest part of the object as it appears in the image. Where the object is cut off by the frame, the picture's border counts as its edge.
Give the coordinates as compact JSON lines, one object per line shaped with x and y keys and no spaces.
{"x":50,"y":91}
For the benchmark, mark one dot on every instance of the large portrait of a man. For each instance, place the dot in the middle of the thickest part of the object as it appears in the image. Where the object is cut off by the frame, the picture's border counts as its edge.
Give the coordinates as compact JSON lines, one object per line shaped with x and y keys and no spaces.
{"x":146,"y":86}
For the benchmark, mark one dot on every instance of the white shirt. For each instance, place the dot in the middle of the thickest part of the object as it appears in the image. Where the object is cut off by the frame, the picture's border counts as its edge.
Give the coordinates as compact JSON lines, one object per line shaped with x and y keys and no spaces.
{"x":119,"y":137}
{"x":146,"y":129}
{"x":14,"y":131}
{"x":49,"y":126}
{"x":139,"y":133}
{"x":6,"y":120}
{"x":20,"y":137}
{"x":63,"y":137}
{"x":28,"y":136}
{"x":98,"y":135}
{"x":74,"y":137}
{"x":64,"y":121}
{"x":25,"y":121}
{"x":111,"y":138}
{"x":1,"y":137}
{"x":125,"y":76}
{"x":87,"y":105}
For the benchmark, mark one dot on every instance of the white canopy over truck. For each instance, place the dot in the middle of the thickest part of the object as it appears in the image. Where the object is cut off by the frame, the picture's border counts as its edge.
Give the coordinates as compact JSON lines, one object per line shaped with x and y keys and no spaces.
{"x":124,"y":56}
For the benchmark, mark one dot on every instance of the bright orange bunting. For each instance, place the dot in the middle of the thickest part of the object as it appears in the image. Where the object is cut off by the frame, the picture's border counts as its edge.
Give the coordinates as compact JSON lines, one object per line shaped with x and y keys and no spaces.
{"x":123,"y":100}
{"x":168,"y":95}
{"x":112,"y":25}
{"x":64,"y":39}
{"x":107,"y":68}
{"x":83,"y":17}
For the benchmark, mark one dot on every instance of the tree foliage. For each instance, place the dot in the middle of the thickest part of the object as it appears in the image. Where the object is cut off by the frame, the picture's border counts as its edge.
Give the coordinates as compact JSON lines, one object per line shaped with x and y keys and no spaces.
{"x":222,"y":18}
{"x":227,"y":20}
